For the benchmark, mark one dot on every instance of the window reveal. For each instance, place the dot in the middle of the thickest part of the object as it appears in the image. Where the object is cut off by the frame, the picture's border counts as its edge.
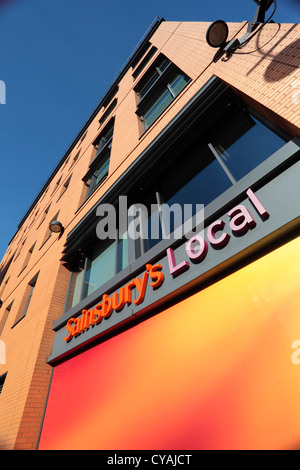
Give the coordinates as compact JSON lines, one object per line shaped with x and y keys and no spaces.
{"x":26,"y":299}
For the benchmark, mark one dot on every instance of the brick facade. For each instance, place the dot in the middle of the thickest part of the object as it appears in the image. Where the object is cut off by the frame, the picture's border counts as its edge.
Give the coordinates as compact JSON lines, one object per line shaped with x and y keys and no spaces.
{"x":264,"y":73}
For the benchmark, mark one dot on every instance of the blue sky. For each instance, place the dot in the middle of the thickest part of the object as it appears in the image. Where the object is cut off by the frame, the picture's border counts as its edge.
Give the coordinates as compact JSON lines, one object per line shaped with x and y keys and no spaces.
{"x":58,"y":58}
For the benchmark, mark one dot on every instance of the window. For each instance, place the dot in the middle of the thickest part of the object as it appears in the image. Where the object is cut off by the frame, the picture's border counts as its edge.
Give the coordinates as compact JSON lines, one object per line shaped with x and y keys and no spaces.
{"x":144,"y":62}
{"x":202,"y":161}
{"x":108,"y":111}
{"x":46,"y":190}
{"x":26,"y":300}
{"x":101,"y":260}
{"x":82,"y":139}
{"x":75,"y":159}
{"x":27,"y":257}
{"x":98,"y":169}
{"x":4,"y":286}
{"x":100,"y":173}
{"x":2,"y":380}
{"x":242,"y":141}
{"x":110,"y":95}
{"x":65,"y":186}
{"x":5,"y":316}
{"x":66,"y":162}
{"x":160,"y":85}
{"x":44,"y":215}
{"x":56,"y":186}
{"x":100,"y":266}
{"x":236,"y":144}
{"x":20,"y":249}
{"x":140,"y":53}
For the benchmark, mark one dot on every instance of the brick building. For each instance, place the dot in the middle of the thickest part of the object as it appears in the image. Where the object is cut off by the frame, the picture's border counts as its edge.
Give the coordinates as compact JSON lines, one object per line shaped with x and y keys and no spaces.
{"x":201,"y":355}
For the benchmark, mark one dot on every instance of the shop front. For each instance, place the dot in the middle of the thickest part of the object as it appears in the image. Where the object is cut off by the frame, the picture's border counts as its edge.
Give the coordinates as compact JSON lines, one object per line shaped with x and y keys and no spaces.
{"x":213,"y":370}
{"x":193,"y":344}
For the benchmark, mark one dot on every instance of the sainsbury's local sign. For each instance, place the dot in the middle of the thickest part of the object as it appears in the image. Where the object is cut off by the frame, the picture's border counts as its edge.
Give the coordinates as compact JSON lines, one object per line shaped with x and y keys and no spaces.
{"x":218,"y":235}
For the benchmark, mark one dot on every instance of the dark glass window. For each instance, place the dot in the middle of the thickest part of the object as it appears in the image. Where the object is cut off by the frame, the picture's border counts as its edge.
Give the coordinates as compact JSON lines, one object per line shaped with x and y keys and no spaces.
{"x":99,"y":167}
{"x":108,"y":111}
{"x":27,"y":257}
{"x":234,"y":146}
{"x":243,"y":142}
{"x":65,"y":186}
{"x":144,"y":220}
{"x":101,"y":172}
{"x":152,"y":78}
{"x":195,"y":179}
{"x":144,"y":62}
{"x":162,"y":101}
{"x":122,"y":253}
{"x":103,"y":259}
{"x":26,"y":299}
{"x":75,"y":285}
{"x":105,"y":139}
{"x":100,"y":265}
{"x":158,"y":88}
{"x":5,"y":316}
{"x":2,"y":380}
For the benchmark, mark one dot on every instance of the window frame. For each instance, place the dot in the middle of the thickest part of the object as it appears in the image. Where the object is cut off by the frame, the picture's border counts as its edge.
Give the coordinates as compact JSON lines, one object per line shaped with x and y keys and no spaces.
{"x":142,"y":64}
{"x":86,"y":252}
{"x":48,"y":233}
{"x":96,"y":169}
{"x":2,"y":381}
{"x":65,"y":186}
{"x":27,"y":258}
{"x":75,"y":159}
{"x":150,"y":89}
{"x":108,"y":111}
{"x":44,"y":215}
{"x":5,"y":316}
{"x":103,"y":146}
{"x":26,"y":300}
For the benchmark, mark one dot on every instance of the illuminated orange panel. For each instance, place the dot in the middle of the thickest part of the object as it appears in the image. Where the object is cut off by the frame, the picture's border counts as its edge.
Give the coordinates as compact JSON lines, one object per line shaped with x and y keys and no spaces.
{"x":212,"y":372}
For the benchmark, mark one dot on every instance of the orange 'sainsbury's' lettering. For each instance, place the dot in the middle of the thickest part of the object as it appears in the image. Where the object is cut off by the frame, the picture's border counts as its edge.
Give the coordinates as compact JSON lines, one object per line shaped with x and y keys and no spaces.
{"x":141,"y":287}
{"x":115,"y":303}
{"x":156,"y":275}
